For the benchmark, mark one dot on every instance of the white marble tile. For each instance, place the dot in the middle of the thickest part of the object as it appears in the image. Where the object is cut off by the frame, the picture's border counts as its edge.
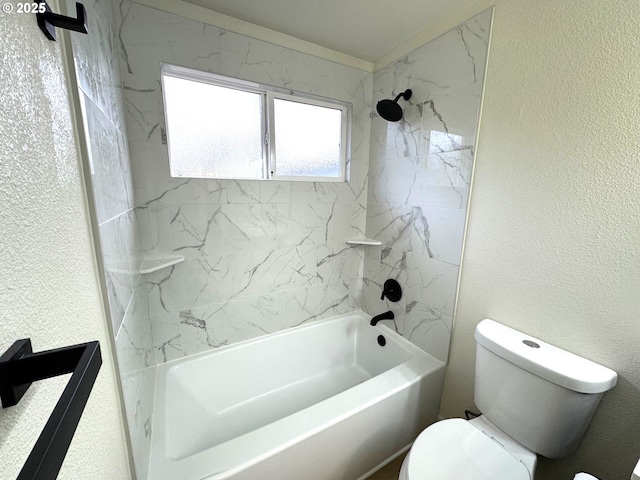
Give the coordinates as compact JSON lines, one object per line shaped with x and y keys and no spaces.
{"x":267,"y":271}
{"x":394,"y":181}
{"x":246,"y":227}
{"x":443,"y":197}
{"x":358,"y":226}
{"x":419,"y":232}
{"x":155,"y":234}
{"x":192,"y":227}
{"x":143,"y":424}
{"x":356,"y":289}
{"x":312,"y":192}
{"x":451,"y":61}
{"x":423,"y":314}
{"x":195,"y":336}
{"x":304,"y":305}
{"x":449,"y":120}
{"x":274,"y":192}
{"x":154,"y":185}
{"x":255,"y":60}
{"x":109,"y":164}
{"x":244,"y":191}
{"x":121,"y":257}
{"x":430,"y":282}
{"x":305,"y":224}
{"x":198,"y":281}
{"x":419,"y":181}
{"x":370,"y":299}
{"x":438,"y":180}
{"x":130,"y":391}
{"x":174,"y":39}
{"x":402,"y":227}
{"x":138,"y":388}
{"x":430,"y":232}
{"x":372,"y":261}
{"x":393,"y":264}
{"x":144,"y":112}
{"x":133,"y":341}
{"x":147,"y":38}
{"x":167,"y":339}
{"x":248,"y":58}
{"x":95,"y":58}
{"x":432,"y":123}
{"x":339,"y":263}
{"x":97,"y":70}
{"x":446,"y":230}
{"x":450,"y":169}
{"x":428,"y":328}
{"x":405,"y":138}
{"x":227,"y":323}
{"x":348,"y":221}
{"x":474,"y":34}
{"x":130,"y":387}
{"x":215,"y":229}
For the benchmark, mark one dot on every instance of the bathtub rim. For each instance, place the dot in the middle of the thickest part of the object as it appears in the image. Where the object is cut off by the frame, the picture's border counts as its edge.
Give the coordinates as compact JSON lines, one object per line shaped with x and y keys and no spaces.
{"x":403,"y":342}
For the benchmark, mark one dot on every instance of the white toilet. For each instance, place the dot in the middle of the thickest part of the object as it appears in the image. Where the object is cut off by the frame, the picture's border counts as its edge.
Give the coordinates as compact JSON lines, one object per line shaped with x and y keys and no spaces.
{"x":535,"y":399}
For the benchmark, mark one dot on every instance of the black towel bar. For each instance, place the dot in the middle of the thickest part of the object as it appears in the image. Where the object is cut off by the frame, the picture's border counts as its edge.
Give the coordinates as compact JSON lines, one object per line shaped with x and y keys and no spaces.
{"x":19,"y":367}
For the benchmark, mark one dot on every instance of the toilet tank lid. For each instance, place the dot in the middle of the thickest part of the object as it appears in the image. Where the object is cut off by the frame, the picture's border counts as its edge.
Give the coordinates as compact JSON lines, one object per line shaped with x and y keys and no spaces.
{"x":547,"y":361}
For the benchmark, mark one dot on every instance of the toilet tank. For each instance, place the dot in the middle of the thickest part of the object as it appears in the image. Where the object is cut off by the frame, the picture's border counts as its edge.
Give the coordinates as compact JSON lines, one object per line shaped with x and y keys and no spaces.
{"x":540,"y":395}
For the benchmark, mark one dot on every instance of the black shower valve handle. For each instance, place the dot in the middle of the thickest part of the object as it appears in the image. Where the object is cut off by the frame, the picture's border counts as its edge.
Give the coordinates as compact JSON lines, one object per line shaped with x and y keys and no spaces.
{"x":391,"y":290}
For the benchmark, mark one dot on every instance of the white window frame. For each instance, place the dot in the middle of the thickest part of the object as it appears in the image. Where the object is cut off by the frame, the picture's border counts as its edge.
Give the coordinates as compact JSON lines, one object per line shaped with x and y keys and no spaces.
{"x":268,"y":93}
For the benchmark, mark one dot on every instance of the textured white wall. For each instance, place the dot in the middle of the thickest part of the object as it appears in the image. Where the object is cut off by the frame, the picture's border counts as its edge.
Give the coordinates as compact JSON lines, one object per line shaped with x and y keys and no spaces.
{"x":48,"y":287}
{"x":553,"y":239}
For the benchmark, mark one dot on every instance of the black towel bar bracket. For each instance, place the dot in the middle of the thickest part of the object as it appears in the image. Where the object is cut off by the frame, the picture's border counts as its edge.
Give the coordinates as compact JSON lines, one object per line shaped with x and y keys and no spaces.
{"x":48,"y":20}
{"x":20,"y":367}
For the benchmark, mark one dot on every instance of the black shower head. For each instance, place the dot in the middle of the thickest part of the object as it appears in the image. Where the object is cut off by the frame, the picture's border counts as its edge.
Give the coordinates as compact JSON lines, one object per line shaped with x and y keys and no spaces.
{"x":390,"y":110}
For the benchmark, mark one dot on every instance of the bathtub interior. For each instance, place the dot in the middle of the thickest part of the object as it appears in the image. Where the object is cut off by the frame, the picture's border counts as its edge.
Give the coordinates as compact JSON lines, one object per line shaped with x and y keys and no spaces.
{"x":217,"y":397}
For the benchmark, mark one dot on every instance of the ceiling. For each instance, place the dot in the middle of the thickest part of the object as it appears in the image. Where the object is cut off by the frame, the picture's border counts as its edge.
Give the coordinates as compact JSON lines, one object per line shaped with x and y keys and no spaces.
{"x":365,"y":29}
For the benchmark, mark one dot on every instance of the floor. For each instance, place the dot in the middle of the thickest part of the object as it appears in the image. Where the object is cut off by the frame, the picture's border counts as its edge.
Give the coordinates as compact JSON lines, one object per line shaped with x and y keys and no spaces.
{"x":389,"y":471}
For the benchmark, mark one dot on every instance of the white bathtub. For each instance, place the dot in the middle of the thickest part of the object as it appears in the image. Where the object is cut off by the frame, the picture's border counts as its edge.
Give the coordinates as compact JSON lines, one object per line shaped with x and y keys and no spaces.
{"x":319,"y":402}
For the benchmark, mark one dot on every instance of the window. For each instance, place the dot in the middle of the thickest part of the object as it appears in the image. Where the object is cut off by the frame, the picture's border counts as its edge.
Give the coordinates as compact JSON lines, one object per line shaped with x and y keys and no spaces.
{"x":219,"y":127}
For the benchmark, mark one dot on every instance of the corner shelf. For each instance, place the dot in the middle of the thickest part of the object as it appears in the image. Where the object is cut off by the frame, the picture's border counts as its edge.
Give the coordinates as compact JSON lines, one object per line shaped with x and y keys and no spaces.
{"x":153,"y":264}
{"x":363,"y":241}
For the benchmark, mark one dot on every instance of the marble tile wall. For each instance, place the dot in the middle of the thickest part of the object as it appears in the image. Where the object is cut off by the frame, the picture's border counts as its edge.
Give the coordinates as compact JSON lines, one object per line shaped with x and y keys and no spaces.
{"x":260,"y":256}
{"x":264,"y":256}
{"x":419,"y":178}
{"x":101,"y":97}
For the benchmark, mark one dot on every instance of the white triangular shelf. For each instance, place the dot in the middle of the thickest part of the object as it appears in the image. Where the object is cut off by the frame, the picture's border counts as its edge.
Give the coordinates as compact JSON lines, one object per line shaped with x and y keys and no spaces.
{"x":153,"y":264}
{"x":363,"y":241}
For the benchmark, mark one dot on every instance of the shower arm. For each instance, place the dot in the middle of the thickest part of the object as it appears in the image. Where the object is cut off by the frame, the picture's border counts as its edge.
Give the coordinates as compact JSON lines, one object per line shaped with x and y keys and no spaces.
{"x":401,"y":94}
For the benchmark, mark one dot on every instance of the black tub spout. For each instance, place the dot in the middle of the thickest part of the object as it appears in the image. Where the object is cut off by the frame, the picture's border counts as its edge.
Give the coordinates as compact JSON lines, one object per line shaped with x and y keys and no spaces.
{"x":383,"y":316}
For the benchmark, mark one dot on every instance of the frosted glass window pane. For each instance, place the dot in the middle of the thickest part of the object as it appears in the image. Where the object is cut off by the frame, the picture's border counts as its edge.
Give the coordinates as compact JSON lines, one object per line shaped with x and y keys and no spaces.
{"x":214,"y":132}
{"x":307,"y":139}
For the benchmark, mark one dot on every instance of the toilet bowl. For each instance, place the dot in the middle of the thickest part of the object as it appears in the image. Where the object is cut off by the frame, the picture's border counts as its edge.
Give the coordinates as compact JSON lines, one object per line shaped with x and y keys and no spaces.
{"x":535,"y":399}
{"x":466,"y":450}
